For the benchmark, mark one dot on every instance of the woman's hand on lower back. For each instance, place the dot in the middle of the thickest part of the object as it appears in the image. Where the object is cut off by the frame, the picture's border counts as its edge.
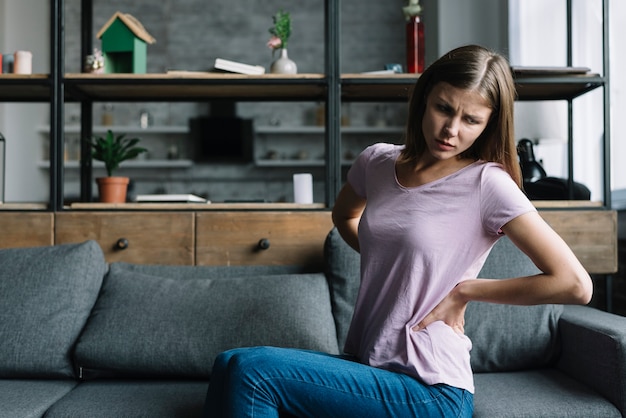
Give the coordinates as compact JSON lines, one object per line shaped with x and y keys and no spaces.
{"x":451,"y":310}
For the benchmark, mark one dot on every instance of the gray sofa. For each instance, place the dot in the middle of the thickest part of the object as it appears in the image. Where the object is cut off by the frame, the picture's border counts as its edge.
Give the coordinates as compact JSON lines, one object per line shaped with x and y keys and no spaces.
{"x":80,"y":338}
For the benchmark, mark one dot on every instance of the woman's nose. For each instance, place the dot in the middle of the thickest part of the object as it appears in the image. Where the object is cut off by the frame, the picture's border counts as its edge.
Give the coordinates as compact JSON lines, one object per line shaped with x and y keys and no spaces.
{"x":451,"y":128}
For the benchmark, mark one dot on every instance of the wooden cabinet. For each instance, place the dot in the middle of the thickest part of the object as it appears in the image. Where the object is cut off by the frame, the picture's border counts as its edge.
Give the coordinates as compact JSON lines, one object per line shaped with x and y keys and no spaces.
{"x":591,"y":234}
{"x":26,"y":229}
{"x":262,"y":238}
{"x":216,"y":237}
{"x":180,"y":238}
{"x":133,"y":237}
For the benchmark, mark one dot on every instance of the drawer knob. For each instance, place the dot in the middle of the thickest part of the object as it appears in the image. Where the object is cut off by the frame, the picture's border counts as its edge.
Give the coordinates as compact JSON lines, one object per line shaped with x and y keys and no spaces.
{"x":121,"y":244}
{"x":263,"y":244}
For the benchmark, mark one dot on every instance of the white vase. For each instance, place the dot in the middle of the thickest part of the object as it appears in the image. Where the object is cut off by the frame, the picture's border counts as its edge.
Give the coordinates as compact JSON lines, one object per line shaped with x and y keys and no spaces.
{"x":283,"y":65}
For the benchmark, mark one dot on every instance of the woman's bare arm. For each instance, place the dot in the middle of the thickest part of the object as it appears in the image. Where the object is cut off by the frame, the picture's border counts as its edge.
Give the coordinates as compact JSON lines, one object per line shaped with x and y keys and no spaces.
{"x":347,"y":213}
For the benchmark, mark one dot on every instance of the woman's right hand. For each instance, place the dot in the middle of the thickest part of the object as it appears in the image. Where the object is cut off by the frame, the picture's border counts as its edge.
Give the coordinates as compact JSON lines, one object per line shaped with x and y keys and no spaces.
{"x":451,"y":310}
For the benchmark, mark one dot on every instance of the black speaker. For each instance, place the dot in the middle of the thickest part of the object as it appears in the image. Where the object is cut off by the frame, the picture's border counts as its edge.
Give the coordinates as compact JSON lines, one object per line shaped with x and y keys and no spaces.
{"x":226,"y":139}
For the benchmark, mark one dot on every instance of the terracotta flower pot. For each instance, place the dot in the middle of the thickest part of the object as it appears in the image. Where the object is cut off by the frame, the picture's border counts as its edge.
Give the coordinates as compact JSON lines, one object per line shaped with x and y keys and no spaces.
{"x":112,"y":189}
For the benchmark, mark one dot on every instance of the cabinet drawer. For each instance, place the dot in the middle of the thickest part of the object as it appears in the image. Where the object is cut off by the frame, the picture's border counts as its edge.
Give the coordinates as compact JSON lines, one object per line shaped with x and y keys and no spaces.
{"x":238,"y":238}
{"x":21,"y":229}
{"x":148,"y":237}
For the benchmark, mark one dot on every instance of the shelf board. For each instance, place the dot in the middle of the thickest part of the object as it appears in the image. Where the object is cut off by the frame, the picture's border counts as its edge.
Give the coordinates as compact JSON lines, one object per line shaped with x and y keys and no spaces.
{"x":368,"y":87}
{"x":557,"y":87}
{"x":567,"y":204}
{"x":263,"y":129}
{"x":254,"y":205}
{"x":195,"y":86}
{"x":540,"y":85}
{"x":25,"y":88}
{"x":319,"y":130}
{"x":200,"y":86}
{"x":73,"y":164}
{"x":19,"y":206}
{"x":266,"y":162}
{"x":134,"y":130}
{"x":195,"y":206}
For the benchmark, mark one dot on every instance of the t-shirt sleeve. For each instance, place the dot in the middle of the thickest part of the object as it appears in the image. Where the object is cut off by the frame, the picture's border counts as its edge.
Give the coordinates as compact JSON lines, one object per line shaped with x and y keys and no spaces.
{"x":501,"y":199}
{"x":357,"y":175}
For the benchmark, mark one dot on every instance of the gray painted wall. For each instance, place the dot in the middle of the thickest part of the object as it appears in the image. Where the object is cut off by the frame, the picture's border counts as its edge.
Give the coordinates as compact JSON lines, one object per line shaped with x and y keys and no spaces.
{"x":24,"y":24}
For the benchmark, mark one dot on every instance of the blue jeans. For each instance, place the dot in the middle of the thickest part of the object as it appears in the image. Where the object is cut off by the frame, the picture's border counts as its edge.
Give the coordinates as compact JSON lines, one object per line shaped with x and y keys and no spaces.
{"x":262,"y":382}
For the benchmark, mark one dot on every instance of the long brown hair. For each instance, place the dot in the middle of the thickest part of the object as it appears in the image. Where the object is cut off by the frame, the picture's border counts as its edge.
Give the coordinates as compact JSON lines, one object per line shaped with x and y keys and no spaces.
{"x":470,"y":67}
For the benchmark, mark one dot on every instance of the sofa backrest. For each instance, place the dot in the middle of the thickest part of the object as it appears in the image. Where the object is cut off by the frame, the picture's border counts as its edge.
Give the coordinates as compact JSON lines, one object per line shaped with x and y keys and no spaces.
{"x":342,"y":268}
{"x":174,"y":320}
{"x":504,"y":337}
{"x":46,"y":295}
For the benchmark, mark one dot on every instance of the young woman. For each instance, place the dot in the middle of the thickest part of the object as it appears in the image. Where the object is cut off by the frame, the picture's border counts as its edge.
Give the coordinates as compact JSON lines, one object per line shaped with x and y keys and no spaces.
{"x":424,"y":217}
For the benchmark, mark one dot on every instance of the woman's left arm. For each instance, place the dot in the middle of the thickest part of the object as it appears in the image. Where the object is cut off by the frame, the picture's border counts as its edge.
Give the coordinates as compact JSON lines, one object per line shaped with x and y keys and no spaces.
{"x":563,"y":279}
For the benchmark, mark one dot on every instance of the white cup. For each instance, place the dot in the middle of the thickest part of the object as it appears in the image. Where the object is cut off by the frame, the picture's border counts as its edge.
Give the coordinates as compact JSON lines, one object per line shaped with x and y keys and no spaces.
{"x":303,"y":188}
{"x":23,"y":62}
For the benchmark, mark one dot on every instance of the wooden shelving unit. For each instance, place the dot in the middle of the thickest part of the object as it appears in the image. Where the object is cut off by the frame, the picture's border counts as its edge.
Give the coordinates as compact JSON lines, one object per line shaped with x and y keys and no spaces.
{"x":197,"y":86}
{"x":331,"y":87}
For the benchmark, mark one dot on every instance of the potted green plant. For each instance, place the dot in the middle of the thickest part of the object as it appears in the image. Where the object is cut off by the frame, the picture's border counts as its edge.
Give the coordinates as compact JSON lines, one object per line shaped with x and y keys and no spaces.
{"x":112,"y":150}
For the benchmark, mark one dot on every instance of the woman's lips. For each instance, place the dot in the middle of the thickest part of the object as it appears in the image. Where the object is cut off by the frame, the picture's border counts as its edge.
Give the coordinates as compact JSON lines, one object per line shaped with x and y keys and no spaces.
{"x":444,"y":145}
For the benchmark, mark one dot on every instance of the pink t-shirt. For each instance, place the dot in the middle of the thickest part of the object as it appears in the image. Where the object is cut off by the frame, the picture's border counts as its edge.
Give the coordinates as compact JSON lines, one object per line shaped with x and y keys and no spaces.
{"x":417,"y":244}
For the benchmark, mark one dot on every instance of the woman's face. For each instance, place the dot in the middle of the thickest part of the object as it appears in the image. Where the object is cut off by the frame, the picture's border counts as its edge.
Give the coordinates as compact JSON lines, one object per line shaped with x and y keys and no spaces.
{"x":453,"y":120}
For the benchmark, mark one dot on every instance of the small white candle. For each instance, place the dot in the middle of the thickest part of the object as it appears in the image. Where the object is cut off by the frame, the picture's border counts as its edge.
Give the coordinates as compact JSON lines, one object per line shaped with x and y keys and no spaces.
{"x":303,"y":188}
{"x":23,"y":62}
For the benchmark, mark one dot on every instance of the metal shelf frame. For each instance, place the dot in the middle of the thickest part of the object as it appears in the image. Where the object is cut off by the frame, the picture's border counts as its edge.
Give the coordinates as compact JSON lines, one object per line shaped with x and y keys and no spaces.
{"x":331,"y":87}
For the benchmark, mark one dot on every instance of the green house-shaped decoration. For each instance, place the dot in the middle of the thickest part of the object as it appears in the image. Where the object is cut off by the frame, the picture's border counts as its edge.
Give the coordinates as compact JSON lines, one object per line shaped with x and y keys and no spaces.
{"x":124,"y":44}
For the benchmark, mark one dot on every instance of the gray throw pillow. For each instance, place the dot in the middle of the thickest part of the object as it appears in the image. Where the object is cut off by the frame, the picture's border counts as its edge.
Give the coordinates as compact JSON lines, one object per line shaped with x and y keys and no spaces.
{"x":343,"y":270}
{"x":506,"y":337}
{"x":146,"y":325}
{"x":46,"y":295}
{"x":509,"y":338}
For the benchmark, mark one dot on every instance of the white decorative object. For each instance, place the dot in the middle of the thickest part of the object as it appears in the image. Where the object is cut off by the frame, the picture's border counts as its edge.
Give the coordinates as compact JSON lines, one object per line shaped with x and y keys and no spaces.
{"x":303,"y":188}
{"x":283,"y":65}
{"x":23,"y":62}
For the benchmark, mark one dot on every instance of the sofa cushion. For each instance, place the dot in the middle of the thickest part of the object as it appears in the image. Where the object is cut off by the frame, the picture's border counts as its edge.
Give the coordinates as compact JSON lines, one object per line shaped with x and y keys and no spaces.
{"x":31,"y":397}
{"x":46,"y":294}
{"x":342,"y":267}
{"x":506,"y":337}
{"x":133,"y":398}
{"x":537,"y":393}
{"x":149,"y":325}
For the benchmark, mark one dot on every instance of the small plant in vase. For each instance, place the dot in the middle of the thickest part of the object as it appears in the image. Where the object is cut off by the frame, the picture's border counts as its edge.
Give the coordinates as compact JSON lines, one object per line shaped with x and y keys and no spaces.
{"x":281,"y":31}
{"x":112,"y":150}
